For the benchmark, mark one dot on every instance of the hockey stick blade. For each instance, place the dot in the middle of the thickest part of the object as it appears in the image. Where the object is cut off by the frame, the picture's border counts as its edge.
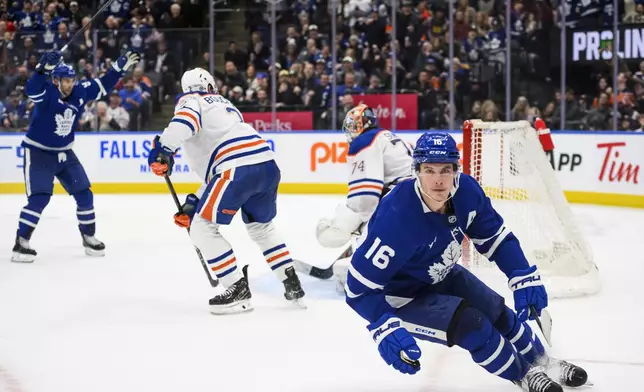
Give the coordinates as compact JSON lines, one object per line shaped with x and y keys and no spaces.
{"x":544,"y":322}
{"x":320,"y":273}
{"x":213,"y":282}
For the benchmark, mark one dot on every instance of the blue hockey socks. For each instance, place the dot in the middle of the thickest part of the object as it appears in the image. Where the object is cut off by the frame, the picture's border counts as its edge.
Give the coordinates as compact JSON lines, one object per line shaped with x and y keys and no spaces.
{"x":30,"y":214}
{"x":474,"y":332}
{"x":521,"y":336}
{"x":85,"y":212}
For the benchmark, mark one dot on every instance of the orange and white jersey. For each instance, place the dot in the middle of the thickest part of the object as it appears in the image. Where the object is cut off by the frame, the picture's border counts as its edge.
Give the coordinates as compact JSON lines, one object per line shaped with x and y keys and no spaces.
{"x":377,"y":159}
{"x":214,"y":135}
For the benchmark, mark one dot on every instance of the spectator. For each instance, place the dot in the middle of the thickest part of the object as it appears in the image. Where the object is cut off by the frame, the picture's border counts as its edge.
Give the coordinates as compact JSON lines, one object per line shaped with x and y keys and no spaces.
{"x":119,"y":118}
{"x":236,"y":56}
{"x":131,"y":100}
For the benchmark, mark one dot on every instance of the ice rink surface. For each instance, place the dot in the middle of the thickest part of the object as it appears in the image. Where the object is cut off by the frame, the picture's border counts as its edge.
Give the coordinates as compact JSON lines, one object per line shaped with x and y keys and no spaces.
{"x":137,"y":320}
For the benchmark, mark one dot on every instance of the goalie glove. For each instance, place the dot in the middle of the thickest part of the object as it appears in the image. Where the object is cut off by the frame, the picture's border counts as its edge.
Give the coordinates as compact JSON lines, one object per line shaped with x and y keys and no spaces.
{"x":333,"y":233}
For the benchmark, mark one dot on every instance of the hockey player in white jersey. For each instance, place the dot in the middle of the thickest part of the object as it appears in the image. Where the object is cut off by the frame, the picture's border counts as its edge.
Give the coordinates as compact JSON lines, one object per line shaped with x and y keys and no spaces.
{"x":239,"y":173}
{"x":377,"y":160}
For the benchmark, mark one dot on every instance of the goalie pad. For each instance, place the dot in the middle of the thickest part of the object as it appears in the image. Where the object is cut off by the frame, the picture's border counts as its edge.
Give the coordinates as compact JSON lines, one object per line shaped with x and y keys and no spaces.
{"x":333,"y":233}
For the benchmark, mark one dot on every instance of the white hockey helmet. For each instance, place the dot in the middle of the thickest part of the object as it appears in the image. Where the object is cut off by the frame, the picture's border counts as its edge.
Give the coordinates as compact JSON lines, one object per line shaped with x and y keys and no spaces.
{"x":198,"y":79}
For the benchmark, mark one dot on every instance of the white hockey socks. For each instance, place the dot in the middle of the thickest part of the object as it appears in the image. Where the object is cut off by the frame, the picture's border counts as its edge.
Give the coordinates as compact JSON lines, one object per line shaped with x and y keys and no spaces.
{"x":273,"y":247}
{"x":215,"y":250}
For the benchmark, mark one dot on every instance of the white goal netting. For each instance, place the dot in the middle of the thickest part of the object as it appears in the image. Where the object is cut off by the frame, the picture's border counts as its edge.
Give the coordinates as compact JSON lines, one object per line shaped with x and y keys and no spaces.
{"x":507,"y":159}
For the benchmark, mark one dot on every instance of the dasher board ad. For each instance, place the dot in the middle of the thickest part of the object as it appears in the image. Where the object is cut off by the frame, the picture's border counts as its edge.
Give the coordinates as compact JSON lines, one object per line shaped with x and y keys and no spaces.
{"x":598,"y":166}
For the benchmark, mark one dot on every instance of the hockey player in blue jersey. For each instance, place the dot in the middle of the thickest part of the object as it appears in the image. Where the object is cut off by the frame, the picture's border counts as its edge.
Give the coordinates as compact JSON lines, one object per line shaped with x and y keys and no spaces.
{"x":404,"y":277}
{"x":48,"y":153}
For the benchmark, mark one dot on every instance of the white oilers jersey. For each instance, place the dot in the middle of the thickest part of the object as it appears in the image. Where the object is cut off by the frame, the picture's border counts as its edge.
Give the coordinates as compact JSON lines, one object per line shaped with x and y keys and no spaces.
{"x":377,"y":160}
{"x":214,"y":135}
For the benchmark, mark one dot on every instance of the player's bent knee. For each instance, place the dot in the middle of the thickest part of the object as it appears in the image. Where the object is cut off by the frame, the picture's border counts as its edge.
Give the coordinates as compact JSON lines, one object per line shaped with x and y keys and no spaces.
{"x":203,"y":231}
{"x":37,"y":202}
{"x":470,"y":328}
{"x":84,"y":198}
{"x":260,"y":231}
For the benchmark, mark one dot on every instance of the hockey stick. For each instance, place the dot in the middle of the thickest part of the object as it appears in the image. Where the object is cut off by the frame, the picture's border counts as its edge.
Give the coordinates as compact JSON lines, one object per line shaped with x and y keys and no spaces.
{"x":83,"y":28}
{"x":213,"y":282}
{"x":544,"y":322}
{"x":320,"y":273}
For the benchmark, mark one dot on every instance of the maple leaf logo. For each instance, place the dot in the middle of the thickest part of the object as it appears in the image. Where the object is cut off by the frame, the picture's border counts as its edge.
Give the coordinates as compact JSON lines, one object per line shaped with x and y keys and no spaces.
{"x":438,"y":271}
{"x":64,"y":123}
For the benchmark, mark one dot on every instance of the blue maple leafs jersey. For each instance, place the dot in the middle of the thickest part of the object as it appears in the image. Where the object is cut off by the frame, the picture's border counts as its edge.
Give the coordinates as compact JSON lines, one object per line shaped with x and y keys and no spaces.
{"x":407,"y":246}
{"x":55,"y":119}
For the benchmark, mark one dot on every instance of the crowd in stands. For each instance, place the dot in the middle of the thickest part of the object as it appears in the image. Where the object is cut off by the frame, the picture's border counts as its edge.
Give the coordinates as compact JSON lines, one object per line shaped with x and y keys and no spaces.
{"x":29,"y":28}
{"x":304,"y":68}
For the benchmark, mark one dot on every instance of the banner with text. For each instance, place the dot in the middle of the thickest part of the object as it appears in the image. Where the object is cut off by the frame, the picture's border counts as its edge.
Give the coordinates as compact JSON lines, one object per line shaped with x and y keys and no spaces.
{"x":583,"y":162}
{"x":285,"y":121}
{"x":596,"y":45}
{"x":406,"y":109}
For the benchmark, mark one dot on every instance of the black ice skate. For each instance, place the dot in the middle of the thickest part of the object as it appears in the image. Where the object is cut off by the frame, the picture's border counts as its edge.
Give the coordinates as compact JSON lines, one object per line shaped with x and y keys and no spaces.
{"x":93,"y":247}
{"x":292,"y":287}
{"x":537,"y":381}
{"x":235,"y":299}
{"x":569,"y":375}
{"x":22,"y":252}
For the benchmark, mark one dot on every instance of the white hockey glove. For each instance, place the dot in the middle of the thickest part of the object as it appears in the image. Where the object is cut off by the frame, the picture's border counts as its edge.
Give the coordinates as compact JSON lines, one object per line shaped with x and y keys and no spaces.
{"x":129,"y":59}
{"x":333,"y":233}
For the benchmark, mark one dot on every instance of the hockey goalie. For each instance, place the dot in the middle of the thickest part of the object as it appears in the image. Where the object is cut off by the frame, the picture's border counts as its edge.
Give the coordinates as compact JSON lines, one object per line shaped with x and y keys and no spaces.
{"x":377,"y":160}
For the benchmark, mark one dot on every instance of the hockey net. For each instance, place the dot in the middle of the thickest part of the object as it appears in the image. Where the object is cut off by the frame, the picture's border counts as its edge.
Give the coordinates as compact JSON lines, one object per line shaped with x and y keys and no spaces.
{"x":507,"y":159}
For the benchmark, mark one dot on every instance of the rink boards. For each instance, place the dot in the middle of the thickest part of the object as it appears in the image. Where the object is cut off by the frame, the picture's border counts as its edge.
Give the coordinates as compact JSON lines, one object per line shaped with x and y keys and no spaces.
{"x":592,"y":167}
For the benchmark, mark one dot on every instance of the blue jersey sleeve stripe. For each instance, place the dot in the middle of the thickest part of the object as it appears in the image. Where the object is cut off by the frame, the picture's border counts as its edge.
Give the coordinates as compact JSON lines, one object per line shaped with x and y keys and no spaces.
{"x":365,"y":282}
{"x":364,"y":180}
{"x":184,"y":122}
{"x":366,"y":193}
{"x":37,"y":95}
{"x":496,"y":243}
{"x":481,"y":241}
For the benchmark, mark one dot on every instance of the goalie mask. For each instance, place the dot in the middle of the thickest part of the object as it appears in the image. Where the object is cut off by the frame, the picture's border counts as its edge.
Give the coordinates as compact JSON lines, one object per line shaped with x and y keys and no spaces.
{"x":358,"y":120}
{"x":198,"y":80}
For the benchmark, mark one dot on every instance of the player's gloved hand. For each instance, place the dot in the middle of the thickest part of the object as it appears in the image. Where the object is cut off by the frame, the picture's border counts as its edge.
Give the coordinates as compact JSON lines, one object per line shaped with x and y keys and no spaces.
{"x":161,"y":158}
{"x":528,"y":291}
{"x":396,"y":346}
{"x":188,"y":209}
{"x":129,"y":59}
{"x":48,"y":62}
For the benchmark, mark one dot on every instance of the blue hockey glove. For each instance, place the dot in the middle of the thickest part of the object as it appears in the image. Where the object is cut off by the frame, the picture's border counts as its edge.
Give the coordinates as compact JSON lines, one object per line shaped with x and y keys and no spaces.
{"x":528,"y":290}
{"x":396,"y":346}
{"x":48,"y":62}
{"x":161,"y":158}
{"x":129,"y":59}
{"x":183,"y":218}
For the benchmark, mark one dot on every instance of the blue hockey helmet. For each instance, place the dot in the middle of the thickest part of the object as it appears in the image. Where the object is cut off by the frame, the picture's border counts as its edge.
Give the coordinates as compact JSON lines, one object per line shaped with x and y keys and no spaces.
{"x":435,"y":147}
{"x":63,"y":71}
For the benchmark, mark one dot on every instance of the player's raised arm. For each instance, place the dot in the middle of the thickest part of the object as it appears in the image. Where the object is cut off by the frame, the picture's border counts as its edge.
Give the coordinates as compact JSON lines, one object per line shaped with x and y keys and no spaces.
{"x":37,"y":85}
{"x":98,"y":88}
{"x":497,"y":243}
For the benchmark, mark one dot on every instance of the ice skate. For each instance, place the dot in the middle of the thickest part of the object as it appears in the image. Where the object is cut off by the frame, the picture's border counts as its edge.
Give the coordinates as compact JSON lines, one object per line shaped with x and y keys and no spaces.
{"x":293,"y":289}
{"x":93,"y":247}
{"x":235,"y":299}
{"x":22,"y":252}
{"x":537,"y":381}
{"x":567,"y":374}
